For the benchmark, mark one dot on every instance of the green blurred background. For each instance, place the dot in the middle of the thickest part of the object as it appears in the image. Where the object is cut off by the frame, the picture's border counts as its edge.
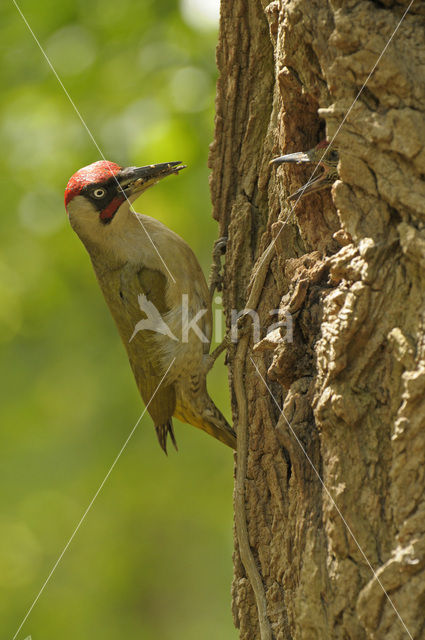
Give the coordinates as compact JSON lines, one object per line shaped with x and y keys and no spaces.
{"x":153,"y":558}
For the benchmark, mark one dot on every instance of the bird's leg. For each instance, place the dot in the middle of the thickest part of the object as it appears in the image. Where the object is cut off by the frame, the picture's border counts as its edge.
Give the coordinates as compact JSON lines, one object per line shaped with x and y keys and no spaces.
{"x":210,"y":359}
{"x":216,"y":277}
{"x":231,"y":338}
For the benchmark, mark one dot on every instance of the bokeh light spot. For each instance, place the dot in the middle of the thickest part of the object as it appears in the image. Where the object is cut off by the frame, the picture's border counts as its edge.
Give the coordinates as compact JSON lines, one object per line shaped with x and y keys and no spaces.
{"x":71,"y":50}
{"x":201,"y":15}
{"x":42,"y":211}
{"x":190,"y":89}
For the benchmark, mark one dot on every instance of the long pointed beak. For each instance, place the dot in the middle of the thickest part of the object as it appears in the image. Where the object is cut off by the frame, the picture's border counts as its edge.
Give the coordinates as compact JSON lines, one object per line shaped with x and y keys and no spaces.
{"x":328,"y":162}
{"x":135,"y":179}
{"x":298,"y":158}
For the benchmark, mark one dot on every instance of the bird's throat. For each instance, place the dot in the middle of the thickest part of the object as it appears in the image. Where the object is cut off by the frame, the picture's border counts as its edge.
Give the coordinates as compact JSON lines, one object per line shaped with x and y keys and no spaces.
{"x":107,"y":214}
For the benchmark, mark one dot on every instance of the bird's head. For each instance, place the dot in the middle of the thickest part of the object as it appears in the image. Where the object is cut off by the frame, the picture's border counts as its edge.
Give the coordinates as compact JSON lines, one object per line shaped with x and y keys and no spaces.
{"x":96,"y":195}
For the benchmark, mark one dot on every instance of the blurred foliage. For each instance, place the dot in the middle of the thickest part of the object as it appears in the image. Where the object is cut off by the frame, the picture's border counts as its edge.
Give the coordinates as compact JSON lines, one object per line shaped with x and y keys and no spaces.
{"x":152,"y":560}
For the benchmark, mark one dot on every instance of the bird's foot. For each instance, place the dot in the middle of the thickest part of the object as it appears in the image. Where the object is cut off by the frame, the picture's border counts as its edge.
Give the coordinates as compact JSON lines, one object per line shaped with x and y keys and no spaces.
{"x":216,"y":353}
{"x":216,"y":277}
{"x":230,"y":339}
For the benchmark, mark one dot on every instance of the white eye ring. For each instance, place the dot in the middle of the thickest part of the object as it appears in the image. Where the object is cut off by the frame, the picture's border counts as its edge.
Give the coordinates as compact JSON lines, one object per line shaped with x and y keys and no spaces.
{"x":99,"y":193}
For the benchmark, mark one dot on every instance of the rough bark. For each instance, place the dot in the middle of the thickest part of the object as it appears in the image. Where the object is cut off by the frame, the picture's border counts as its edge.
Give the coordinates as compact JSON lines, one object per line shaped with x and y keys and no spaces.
{"x":312,"y":560}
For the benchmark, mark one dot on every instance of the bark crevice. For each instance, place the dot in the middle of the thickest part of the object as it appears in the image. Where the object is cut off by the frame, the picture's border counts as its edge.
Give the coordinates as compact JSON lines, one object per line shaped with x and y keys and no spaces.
{"x":348,"y":266}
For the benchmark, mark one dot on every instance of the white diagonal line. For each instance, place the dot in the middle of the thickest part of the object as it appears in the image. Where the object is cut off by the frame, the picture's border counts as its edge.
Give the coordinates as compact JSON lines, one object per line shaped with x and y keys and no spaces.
{"x":89,"y":132}
{"x":91,"y":502}
{"x":328,"y":148}
{"x":350,"y":531}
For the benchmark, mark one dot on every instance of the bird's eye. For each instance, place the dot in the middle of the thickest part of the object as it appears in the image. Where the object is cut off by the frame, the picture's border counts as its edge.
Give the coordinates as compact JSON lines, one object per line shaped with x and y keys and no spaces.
{"x":99,"y":192}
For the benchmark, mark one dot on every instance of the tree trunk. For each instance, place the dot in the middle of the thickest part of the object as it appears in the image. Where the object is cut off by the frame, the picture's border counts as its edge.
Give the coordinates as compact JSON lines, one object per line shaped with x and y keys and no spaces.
{"x":330,"y":471}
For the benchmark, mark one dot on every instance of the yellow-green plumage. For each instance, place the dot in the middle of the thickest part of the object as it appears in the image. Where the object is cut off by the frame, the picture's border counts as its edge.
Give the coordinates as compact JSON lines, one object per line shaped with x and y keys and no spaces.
{"x":133,"y":256}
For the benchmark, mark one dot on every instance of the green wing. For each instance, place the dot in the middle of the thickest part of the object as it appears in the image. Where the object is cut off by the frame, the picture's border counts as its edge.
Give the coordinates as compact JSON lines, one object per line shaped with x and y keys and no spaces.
{"x":143,"y":346}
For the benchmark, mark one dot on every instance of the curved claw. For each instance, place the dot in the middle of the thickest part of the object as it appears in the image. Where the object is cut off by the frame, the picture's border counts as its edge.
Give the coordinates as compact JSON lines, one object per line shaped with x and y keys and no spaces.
{"x":220,"y":245}
{"x":216,"y":279}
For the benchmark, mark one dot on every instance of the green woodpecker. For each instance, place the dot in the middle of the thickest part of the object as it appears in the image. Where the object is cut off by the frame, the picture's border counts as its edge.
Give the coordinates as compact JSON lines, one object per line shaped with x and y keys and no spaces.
{"x":156,"y":292}
{"x":328,"y":160}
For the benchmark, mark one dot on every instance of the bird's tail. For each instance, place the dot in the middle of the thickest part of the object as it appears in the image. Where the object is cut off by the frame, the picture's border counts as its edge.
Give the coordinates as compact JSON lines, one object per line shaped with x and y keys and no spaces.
{"x":162,"y":432}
